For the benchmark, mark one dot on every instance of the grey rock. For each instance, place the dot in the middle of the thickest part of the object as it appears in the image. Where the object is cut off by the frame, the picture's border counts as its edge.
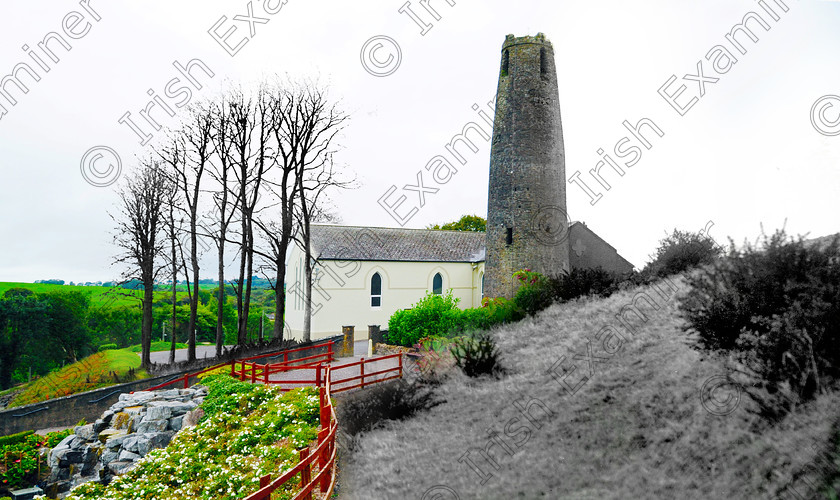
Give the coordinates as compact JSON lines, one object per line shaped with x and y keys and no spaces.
{"x":57,"y":454}
{"x":90,"y":454}
{"x":85,"y":432}
{"x":177,"y":407}
{"x":119,"y":467}
{"x":69,"y":457}
{"x":66,"y":441}
{"x":130,"y":443}
{"x":113,"y":438}
{"x":150,"y":442}
{"x":77,"y":443}
{"x":127,"y":456}
{"x":137,"y":397}
{"x":99,"y":426}
{"x":157,"y":413}
{"x":169,"y":393}
{"x":175,"y":423}
{"x":109,"y":456}
{"x":64,"y":486}
{"x":191,"y":418}
{"x":152,"y":426}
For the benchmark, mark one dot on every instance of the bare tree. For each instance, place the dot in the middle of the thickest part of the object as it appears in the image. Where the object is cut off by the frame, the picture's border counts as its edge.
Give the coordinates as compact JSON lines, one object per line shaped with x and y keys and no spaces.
{"x":194,"y":143}
{"x":173,"y":232}
{"x":316,"y":172}
{"x":225,"y":205}
{"x":140,"y":221}
{"x":251,"y":158}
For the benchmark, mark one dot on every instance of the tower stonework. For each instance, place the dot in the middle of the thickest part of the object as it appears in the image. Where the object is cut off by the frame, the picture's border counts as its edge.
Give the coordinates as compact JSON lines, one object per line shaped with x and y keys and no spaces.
{"x":527,"y":225}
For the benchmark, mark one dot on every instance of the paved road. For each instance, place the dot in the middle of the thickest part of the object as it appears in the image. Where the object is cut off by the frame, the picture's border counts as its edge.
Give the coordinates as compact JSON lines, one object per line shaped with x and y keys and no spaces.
{"x":201,"y":351}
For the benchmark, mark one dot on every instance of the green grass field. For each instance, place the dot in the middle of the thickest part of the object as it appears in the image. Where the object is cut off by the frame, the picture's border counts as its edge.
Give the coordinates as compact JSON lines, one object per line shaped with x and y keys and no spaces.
{"x":93,"y":372}
{"x":636,"y":418}
{"x":99,"y":295}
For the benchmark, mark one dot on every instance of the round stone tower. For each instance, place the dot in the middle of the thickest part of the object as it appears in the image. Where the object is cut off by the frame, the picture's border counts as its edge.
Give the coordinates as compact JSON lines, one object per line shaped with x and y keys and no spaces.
{"x":527,"y":225}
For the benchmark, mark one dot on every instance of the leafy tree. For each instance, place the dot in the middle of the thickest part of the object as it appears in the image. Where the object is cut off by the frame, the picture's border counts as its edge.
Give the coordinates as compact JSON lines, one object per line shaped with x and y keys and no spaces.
{"x":22,"y":323}
{"x":117,"y":325}
{"x":466,"y":223}
{"x":67,"y":334}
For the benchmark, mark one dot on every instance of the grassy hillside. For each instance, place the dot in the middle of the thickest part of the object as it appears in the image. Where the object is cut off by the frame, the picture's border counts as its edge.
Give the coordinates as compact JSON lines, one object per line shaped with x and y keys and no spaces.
{"x":90,"y":373}
{"x":640,"y":421}
{"x":99,"y":295}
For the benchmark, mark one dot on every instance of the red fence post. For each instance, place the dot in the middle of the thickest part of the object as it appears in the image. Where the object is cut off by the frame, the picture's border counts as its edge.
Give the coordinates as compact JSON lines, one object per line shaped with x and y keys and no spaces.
{"x":285,"y":360}
{"x":305,"y":477}
{"x":265,"y":374}
{"x":318,"y":375}
{"x":242,"y":372}
{"x":232,"y":367}
{"x":330,"y":352}
{"x":401,"y":356}
{"x":187,"y":381}
{"x":362,"y":368}
{"x":323,"y":458}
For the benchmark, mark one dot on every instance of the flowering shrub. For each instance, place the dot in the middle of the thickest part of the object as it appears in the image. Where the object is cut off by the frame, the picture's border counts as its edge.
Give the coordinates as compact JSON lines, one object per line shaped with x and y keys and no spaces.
{"x":20,"y":458}
{"x":534,"y":293}
{"x":528,"y":277}
{"x":248,"y":431}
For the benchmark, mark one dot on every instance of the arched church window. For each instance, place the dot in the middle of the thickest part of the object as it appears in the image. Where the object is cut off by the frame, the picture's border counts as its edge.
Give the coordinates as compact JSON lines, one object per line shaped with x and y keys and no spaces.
{"x":376,"y":290}
{"x":437,"y":284}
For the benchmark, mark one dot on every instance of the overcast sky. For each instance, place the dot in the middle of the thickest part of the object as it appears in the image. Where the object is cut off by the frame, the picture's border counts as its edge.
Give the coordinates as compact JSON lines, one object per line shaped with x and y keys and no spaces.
{"x":755,"y":149}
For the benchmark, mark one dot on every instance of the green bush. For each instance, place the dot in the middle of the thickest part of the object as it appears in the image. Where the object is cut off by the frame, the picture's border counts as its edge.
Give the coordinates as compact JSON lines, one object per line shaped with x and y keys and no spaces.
{"x":492,"y":312}
{"x":477,"y":355}
{"x":533,"y":294}
{"x":108,"y":347}
{"x":681,"y":251}
{"x":434,"y":315}
{"x":15,"y":438}
{"x":777,"y":307}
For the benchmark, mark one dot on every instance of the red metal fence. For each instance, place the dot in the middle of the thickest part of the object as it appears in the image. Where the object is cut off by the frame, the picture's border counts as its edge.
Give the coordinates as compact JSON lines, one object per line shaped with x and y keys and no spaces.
{"x":325,"y":356}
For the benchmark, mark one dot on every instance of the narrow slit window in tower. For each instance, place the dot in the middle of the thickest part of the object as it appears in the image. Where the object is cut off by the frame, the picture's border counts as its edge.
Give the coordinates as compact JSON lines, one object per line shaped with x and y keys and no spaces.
{"x":509,"y":239}
{"x":505,"y":60}
{"x":543,"y":62}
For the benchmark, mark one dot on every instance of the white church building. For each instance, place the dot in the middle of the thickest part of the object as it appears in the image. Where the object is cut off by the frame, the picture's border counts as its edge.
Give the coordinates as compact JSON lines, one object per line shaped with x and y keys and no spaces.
{"x":363,"y":275}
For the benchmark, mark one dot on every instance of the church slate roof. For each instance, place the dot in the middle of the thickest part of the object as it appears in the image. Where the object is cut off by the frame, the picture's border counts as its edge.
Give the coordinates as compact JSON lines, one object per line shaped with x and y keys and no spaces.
{"x":396,"y":244}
